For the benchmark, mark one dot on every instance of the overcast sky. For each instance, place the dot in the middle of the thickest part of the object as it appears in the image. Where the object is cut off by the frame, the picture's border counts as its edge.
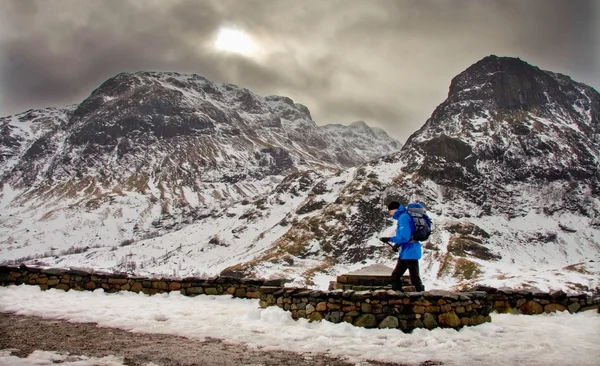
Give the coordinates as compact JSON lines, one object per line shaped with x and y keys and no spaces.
{"x":386,"y":62}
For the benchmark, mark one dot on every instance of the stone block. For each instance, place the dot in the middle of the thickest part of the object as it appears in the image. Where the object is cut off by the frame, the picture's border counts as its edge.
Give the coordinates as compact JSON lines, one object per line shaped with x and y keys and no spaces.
{"x":366,"y":321}
{"x":429,"y":321}
{"x":62,"y":286}
{"x":136,"y":287}
{"x":53,"y":282}
{"x":389,"y":322}
{"x":321,"y":306}
{"x":174,"y":286}
{"x":315,"y":316}
{"x":449,"y":319}
{"x":531,"y":308}
{"x":574,"y":307}
{"x":551,"y":308}
{"x":250,"y":294}
{"x":194,"y":290}
{"x":213,"y":291}
{"x":366,"y":307}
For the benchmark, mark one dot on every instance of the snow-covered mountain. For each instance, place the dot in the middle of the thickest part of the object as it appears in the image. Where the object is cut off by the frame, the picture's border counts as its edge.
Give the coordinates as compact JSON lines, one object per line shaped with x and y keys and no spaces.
{"x":175,"y":175}
{"x":148,"y":153}
{"x":365,"y":141}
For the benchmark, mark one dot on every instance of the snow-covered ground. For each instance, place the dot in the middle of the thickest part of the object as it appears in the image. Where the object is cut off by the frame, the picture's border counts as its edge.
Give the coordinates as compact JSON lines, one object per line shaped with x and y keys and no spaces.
{"x":38,"y":358}
{"x":551,"y":339}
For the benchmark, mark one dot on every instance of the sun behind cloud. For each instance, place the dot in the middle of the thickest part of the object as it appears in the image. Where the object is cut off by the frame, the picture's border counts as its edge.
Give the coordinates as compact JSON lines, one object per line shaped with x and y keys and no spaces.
{"x":235,"y":41}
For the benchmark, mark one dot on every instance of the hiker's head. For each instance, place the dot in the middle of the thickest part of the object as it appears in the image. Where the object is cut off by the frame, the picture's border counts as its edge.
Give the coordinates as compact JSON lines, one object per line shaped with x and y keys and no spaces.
{"x":392,"y":207}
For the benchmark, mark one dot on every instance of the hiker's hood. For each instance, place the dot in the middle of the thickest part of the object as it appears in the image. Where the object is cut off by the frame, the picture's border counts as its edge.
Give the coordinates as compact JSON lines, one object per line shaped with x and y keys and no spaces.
{"x":399,"y":212}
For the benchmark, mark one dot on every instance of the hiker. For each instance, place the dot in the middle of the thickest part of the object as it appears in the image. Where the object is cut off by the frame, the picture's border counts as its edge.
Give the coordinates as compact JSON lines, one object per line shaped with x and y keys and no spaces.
{"x":410,"y":249}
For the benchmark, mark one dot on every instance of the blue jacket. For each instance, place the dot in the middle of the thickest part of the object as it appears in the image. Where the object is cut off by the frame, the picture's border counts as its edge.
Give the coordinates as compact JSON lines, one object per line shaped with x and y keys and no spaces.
{"x":410,"y":250}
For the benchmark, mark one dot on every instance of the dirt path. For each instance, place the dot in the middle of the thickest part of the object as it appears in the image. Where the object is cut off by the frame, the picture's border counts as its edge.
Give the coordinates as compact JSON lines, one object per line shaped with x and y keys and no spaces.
{"x":28,"y":334}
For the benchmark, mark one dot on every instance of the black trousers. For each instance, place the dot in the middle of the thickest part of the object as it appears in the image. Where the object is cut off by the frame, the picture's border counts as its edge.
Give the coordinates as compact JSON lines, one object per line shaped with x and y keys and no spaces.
{"x":413,"y":268}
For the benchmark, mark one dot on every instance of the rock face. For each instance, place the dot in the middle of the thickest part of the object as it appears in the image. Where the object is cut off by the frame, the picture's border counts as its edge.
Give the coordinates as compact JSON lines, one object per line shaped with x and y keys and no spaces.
{"x":507,"y":122}
{"x":173,"y":127}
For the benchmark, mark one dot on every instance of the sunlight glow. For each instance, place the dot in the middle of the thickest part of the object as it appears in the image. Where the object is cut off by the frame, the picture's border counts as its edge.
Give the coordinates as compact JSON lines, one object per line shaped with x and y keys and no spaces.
{"x":235,"y":41}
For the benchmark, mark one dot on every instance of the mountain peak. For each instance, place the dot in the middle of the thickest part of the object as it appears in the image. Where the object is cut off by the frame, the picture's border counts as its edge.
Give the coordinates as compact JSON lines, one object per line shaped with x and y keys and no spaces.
{"x":509,"y":82}
{"x":501,"y":112}
{"x":360,"y":124}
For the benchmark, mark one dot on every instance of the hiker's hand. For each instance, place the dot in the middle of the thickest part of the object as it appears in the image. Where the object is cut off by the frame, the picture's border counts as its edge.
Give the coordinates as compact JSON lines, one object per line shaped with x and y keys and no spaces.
{"x":384,"y":239}
{"x":395,"y":247}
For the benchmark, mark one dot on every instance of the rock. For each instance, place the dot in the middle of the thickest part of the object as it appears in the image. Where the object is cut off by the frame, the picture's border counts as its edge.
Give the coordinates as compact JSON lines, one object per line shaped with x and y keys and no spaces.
{"x":389,"y":322}
{"x":53,"y":271}
{"x":321,"y":306}
{"x":251,"y":294}
{"x":589,"y":307}
{"x":366,"y":321}
{"x":211,"y":291}
{"x":136,"y":287}
{"x":89,"y":285}
{"x":419,"y":309}
{"x":194,"y":290}
{"x":53,"y":282}
{"x":429,"y":321}
{"x":551,"y":308}
{"x":62,"y":286}
{"x":531,"y":308}
{"x":118,"y":281}
{"x":240,"y":292}
{"x":335,"y":316}
{"x":309,"y":308}
{"x":366,"y":307}
{"x":432,"y":309}
{"x":315,"y":316}
{"x":449,"y":319}
{"x":174,"y":286}
{"x":502,"y":307}
{"x":574,"y":307}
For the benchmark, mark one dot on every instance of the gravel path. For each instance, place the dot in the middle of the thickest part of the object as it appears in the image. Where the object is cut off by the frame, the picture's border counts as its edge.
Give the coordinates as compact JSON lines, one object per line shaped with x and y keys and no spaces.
{"x":27,"y":334}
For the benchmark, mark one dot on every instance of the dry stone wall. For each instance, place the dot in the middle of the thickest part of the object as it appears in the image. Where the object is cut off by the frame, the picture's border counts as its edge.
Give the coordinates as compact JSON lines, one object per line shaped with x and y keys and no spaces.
{"x":533,"y":302}
{"x":83,"y":279}
{"x":384,"y":308}
{"x":374,"y":308}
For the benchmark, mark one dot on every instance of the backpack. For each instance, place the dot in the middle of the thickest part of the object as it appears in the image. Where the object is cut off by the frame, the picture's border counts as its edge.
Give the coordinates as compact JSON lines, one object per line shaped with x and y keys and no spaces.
{"x":421,"y":221}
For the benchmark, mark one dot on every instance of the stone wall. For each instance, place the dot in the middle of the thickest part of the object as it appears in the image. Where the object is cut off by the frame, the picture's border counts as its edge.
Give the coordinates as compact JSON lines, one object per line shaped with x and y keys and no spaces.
{"x":533,"y":302}
{"x":376,"y":308}
{"x":84,"y":279}
{"x":384,"y":308}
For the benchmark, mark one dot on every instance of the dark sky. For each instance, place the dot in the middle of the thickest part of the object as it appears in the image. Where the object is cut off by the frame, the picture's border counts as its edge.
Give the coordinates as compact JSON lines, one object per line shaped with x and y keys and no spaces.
{"x":386,"y":62}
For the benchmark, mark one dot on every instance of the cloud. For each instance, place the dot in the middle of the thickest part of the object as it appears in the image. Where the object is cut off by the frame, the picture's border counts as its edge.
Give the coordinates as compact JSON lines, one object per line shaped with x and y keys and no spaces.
{"x":386,"y":62}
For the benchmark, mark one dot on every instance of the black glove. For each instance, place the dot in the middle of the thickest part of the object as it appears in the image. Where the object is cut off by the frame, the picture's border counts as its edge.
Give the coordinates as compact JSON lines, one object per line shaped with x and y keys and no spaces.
{"x":395,"y":247}
{"x":384,"y":239}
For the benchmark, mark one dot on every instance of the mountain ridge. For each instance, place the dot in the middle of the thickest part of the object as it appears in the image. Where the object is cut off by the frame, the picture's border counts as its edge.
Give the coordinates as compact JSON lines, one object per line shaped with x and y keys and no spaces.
{"x":506,"y":166}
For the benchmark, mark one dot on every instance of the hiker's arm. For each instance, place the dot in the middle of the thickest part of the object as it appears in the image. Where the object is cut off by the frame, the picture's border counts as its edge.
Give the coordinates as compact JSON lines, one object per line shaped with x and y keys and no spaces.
{"x":402,"y":231}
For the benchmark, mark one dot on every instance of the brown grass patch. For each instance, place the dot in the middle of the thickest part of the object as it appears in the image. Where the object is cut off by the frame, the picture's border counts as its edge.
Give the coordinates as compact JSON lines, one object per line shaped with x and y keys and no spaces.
{"x":579,"y":268}
{"x":464,"y":269}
